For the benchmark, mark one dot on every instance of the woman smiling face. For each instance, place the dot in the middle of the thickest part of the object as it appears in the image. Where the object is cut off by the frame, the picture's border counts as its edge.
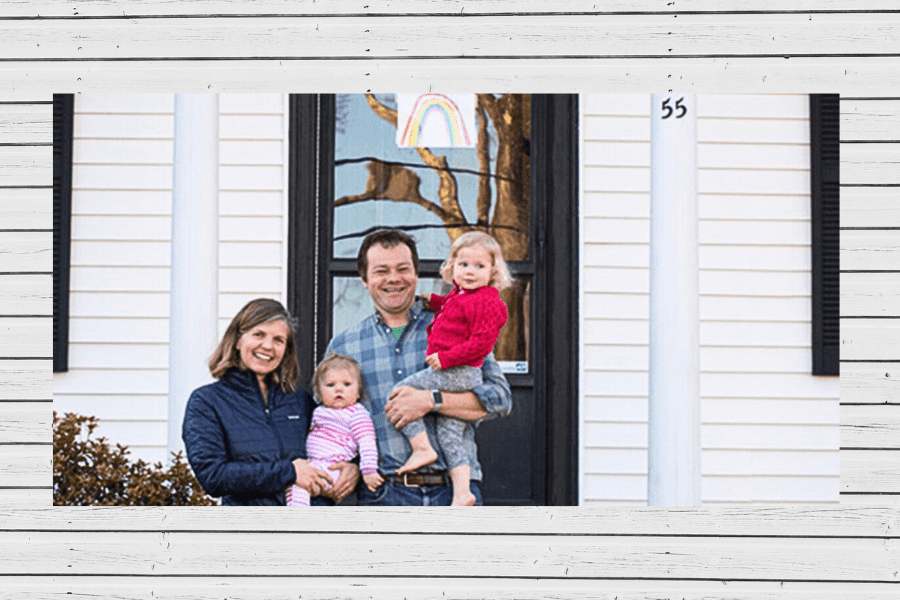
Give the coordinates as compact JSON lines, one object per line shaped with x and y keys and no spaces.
{"x":262,"y":347}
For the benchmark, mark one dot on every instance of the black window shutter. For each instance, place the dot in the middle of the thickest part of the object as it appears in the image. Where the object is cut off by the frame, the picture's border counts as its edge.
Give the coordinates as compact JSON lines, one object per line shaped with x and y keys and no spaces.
{"x":825,"y":163}
{"x":63,"y":105}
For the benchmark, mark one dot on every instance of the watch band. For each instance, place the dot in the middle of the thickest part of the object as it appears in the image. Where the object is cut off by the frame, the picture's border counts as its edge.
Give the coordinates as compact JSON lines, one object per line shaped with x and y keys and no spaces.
{"x":438,"y":400}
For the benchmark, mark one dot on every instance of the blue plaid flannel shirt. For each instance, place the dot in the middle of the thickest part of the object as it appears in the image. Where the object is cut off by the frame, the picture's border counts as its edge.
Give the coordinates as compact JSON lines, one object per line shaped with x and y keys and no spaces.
{"x":385,"y":361}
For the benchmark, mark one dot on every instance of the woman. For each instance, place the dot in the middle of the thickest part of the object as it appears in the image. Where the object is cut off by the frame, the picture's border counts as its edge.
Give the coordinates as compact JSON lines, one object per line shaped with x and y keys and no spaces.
{"x":245,"y":434}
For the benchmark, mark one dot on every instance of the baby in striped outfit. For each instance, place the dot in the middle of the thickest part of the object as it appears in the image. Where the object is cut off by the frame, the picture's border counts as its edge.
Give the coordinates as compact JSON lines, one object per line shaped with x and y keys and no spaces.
{"x":340,"y":426}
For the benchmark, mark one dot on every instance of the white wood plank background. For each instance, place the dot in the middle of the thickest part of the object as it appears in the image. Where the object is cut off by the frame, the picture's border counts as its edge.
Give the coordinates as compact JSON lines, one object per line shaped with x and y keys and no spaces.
{"x":798,"y":552}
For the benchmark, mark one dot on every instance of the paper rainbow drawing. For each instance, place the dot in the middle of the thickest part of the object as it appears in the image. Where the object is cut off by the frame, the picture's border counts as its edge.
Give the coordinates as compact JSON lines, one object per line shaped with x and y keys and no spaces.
{"x":438,"y":120}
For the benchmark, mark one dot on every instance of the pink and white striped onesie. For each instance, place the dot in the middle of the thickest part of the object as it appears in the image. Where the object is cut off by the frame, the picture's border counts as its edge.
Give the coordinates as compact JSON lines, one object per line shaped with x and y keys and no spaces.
{"x":335,"y":436}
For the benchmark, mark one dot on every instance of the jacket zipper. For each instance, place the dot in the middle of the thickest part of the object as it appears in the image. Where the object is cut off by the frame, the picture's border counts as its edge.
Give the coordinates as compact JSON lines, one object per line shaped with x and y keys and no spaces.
{"x":271,"y":422}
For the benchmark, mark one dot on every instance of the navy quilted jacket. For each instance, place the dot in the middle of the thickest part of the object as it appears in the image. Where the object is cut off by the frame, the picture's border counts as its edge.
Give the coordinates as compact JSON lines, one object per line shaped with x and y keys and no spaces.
{"x":240,"y":449}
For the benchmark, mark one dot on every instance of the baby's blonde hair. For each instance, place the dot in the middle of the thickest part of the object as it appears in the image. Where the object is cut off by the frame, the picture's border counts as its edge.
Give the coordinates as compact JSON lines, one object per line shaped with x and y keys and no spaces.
{"x":337,"y":361}
{"x":500,"y":277}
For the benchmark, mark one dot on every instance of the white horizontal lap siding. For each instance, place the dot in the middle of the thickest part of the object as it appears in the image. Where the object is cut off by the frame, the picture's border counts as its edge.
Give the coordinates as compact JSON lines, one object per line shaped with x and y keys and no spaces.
{"x":252,"y":200}
{"x":615,"y":188}
{"x":121,"y":250}
{"x":770,"y":429}
{"x":120,"y":269}
{"x":775,"y":437}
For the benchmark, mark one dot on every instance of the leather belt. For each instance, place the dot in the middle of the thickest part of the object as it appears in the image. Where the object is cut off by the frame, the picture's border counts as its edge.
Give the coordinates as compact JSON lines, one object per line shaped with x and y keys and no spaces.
{"x":418,"y":479}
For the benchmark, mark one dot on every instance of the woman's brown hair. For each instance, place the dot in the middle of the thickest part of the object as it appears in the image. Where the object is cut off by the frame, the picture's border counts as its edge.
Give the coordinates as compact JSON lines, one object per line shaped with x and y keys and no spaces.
{"x":256,"y":312}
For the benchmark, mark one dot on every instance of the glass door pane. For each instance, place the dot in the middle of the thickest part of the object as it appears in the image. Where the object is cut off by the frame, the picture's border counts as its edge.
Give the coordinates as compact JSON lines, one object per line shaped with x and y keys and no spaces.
{"x":436,"y":194}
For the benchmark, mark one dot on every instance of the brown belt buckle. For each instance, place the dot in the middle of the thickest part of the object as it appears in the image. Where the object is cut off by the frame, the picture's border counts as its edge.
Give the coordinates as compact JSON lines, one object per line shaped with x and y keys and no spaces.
{"x":407,"y":484}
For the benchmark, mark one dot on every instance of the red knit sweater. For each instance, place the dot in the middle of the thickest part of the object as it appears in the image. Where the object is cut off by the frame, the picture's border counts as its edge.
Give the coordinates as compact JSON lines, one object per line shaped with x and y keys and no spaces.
{"x":466,"y":325}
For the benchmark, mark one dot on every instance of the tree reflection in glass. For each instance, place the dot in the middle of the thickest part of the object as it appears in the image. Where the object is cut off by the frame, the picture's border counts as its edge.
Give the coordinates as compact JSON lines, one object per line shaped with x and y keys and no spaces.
{"x":435,"y":197}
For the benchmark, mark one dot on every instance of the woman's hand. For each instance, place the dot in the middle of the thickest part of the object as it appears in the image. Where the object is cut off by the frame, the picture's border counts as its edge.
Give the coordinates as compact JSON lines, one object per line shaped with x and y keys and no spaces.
{"x":346,"y":482}
{"x":373,"y":481}
{"x":310,"y":478}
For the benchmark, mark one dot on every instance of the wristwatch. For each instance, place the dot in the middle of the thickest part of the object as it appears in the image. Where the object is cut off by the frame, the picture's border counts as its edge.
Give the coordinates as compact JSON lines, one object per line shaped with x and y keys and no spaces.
{"x":438,"y":400}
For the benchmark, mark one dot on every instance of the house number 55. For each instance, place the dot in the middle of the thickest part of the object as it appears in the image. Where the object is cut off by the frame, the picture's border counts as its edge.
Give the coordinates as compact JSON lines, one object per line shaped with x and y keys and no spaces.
{"x":668,"y":110}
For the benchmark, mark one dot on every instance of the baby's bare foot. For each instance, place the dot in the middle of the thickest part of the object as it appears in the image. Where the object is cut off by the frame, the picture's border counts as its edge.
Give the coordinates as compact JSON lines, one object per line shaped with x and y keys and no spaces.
{"x":465,"y":499}
{"x":419,"y":458}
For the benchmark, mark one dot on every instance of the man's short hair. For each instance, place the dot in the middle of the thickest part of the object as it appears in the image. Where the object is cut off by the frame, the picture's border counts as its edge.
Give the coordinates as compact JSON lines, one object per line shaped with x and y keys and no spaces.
{"x":387,"y":238}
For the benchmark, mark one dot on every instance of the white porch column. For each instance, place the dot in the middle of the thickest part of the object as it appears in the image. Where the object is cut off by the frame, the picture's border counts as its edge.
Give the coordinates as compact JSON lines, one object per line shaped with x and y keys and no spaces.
{"x":194,"y":290}
{"x":674,"y":437}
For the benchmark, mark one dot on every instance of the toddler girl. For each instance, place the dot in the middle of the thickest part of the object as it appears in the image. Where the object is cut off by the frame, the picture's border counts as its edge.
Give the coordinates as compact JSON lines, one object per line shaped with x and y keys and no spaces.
{"x":466,"y":324}
{"x":339,"y":426}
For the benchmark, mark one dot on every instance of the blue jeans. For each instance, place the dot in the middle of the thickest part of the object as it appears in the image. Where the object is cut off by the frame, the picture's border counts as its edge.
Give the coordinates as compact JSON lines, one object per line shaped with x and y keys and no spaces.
{"x":397,"y":494}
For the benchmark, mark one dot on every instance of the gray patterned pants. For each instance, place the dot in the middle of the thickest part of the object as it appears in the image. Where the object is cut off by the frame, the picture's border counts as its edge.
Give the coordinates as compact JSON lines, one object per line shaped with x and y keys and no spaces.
{"x":457,"y":448}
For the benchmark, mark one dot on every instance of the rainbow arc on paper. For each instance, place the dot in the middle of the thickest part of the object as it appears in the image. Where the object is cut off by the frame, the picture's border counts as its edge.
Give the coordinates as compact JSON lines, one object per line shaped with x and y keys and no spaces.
{"x":425,"y":105}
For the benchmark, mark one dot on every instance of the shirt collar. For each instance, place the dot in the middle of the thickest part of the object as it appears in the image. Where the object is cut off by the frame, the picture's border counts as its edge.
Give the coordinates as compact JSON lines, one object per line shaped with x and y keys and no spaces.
{"x":415,"y":312}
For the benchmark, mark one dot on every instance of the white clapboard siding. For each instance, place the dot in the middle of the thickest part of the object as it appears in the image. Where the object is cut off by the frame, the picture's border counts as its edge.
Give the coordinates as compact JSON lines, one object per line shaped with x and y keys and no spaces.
{"x":794,"y":552}
{"x":119,"y":279}
{"x":121,"y":249}
{"x":752,"y":149}
{"x":252,"y":204}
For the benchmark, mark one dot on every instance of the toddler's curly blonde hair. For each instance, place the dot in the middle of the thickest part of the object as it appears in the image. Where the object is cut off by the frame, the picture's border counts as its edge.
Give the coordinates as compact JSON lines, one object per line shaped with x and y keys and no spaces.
{"x":500,"y":277}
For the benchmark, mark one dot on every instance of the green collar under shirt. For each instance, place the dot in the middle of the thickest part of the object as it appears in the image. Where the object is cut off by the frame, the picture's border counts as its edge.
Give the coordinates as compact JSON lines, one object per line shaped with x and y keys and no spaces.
{"x":398,"y":331}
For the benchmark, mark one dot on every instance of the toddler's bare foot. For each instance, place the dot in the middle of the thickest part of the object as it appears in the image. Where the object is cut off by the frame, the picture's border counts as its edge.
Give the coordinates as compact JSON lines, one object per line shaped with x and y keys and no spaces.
{"x":464,"y":499}
{"x":418,"y":458}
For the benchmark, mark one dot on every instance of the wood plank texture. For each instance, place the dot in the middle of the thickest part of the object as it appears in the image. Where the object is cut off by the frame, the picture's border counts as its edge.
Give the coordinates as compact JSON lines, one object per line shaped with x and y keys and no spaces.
{"x":26,"y":124}
{"x":25,"y":166}
{"x":26,"y":209}
{"x":25,"y":423}
{"x":870,"y":383}
{"x":26,"y":466}
{"x":870,"y":250}
{"x":868,"y":120}
{"x":861,"y":76}
{"x":870,"y":471}
{"x":119,"y":8}
{"x":870,"y":295}
{"x":390,"y":588}
{"x":870,"y":207}
{"x":602,"y":36}
{"x":771,"y":521}
{"x":867,"y":164}
{"x":868,"y":426}
{"x":786,"y":552}
{"x":373,"y":555}
{"x":869,"y":339}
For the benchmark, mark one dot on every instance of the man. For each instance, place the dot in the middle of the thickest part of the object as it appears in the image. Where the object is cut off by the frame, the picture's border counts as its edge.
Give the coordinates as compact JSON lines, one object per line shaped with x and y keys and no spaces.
{"x":390,"y":345}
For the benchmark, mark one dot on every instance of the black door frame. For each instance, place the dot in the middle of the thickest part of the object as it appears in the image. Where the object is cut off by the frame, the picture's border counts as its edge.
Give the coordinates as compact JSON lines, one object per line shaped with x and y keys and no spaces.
{"x":554,"y":156}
